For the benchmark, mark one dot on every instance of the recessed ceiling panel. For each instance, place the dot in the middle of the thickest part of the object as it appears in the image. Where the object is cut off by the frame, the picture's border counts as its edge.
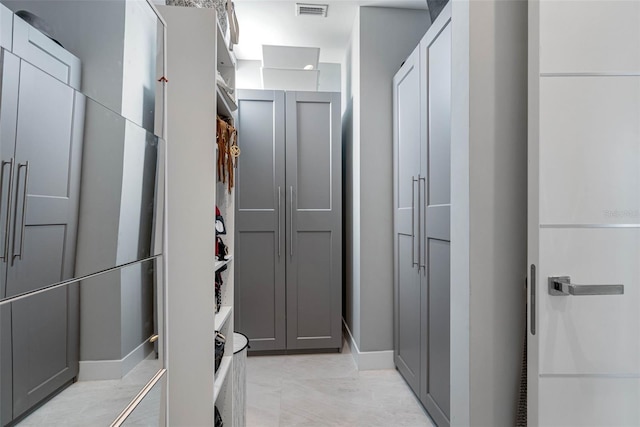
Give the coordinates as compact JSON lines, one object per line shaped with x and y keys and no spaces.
{"x":290,"y":57}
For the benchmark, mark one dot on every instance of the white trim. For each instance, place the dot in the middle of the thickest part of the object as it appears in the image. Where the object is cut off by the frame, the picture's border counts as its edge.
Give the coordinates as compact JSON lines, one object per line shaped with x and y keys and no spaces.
{"x":93,"y":370}
{"x":368,"y":360}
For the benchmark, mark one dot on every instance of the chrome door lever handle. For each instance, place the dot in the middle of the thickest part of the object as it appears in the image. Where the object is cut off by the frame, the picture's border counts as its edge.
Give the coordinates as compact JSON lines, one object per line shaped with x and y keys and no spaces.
{"x":561,"y":286}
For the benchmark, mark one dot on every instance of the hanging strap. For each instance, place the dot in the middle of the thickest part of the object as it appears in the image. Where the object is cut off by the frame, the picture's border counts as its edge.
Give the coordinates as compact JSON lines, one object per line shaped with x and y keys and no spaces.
{"x":234,"y":30}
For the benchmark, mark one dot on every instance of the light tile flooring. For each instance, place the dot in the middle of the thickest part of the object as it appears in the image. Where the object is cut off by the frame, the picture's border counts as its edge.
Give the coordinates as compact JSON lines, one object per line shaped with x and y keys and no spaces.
{"x":98,"y":403}
{"x":319,"y":390}
{"x":327,"y":390}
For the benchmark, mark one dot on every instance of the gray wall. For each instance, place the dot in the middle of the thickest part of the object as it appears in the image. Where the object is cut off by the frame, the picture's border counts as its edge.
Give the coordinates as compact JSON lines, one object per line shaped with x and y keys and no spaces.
{"x":351,"y":180}
{"x":382,"y":39}
{"x":99,"y":216}
{"x":138,"y":179}
{"x":139,"y":64}
{"x":248,"y":76}
{"x":489,"y":210}
{"x":116,"y":308}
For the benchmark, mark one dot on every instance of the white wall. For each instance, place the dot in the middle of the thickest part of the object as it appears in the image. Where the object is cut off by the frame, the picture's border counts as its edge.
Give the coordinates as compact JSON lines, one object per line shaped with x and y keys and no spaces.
{"x":375,"y":55}
{"x":489,"y":209}
{"x":248,"y":76}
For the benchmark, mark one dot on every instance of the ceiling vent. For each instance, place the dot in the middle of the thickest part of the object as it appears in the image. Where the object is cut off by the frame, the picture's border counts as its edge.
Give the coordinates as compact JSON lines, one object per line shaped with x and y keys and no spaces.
{"x":311,"y":9}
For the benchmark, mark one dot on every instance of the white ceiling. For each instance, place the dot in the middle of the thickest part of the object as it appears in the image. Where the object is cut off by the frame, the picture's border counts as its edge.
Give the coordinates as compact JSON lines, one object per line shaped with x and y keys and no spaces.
{"x":275,"y":23}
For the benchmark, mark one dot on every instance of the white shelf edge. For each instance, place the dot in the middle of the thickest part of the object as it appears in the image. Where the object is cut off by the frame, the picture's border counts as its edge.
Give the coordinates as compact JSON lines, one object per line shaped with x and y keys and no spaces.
{"x":223,"y":107}
{"x":222,"y":316}
{"x":220,"y":264}
{"x":229,"y":56}
{"x":221,"y":375}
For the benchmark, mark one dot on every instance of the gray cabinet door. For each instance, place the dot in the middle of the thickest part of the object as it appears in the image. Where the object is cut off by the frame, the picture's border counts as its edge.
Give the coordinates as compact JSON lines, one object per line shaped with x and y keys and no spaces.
{"x":42,"y":245}
{"x":313,"y":220}
{"x":436,"y":240}
{"x":261,"y":249}
{"x":32,"y":45}
{"x":8,"y":121}
{"x":289,"y":231}
{"x":407,"y":179}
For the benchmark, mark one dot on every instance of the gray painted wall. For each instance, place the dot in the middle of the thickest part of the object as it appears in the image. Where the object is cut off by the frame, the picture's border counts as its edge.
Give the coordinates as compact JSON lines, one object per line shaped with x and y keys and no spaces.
{"x":382,"y":52}
{"x":489,"y":209}
{"x":248,"y":76}
{"x":99,"y":219}
{"x":116,"y":308}
{"x":375,"y":55}
{"x":351,"y":179}
{"x":460,"y":215}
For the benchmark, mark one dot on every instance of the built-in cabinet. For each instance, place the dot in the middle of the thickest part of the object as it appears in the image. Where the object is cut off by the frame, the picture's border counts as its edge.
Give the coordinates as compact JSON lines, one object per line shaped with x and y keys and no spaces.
{"x":422,"y":205}
{"x":196,"y":50}
{"x":289,"y":220}
{"x":39,"y":194}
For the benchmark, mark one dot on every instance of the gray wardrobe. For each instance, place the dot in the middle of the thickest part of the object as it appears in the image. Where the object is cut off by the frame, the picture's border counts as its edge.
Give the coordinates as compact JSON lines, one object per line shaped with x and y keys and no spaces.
{"x":39,"y":191}
{"x":288,"y":284}
{"x":422,"y":205}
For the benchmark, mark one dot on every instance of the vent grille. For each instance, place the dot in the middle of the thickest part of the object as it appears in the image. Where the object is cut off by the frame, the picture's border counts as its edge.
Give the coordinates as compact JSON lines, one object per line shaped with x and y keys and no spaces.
{"x":311,"y":9}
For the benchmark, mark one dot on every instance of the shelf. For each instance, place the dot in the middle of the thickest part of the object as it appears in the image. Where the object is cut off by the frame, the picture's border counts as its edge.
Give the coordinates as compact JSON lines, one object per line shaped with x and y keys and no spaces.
{"x":224,"y":108}
{"x":220,"y":264}
{"x":222,"y":316}
{"x":226,"y":58}
{"x":221,"y":375}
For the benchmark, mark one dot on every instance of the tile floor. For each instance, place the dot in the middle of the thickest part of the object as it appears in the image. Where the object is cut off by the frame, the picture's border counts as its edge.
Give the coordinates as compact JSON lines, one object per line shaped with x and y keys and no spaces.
{"x":319,"y":390}
{"x":326,"y":390}
{"x":98,"y":403}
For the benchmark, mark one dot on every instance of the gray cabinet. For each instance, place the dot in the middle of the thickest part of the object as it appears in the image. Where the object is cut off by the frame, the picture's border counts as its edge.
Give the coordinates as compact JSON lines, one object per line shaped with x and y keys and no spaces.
{"x":288,"y":220}
{"x":407,"y":177}
{"x":422,"y":204}
{"x":39,"y":215}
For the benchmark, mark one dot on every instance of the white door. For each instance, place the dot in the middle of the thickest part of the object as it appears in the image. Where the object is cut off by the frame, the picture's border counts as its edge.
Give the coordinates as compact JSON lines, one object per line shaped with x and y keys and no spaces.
{"x":584,"y":213}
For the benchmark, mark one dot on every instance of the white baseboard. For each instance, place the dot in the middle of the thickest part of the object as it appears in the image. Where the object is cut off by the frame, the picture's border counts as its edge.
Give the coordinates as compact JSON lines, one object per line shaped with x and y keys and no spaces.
{"x":368,"y":360}
{"x":94,"y":370}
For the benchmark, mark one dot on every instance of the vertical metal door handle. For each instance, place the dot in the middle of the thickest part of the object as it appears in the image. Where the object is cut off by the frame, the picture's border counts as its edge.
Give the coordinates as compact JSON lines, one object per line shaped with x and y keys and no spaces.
{"x":7,"y":224}
{"x":24,"y":211}
{"x":413,"y":222}
{"x":291,"y":222}
{"x":561,"y":286}
{"x":279,"y":216}
{"x":532,"y":303}
{"x":423,"y":236}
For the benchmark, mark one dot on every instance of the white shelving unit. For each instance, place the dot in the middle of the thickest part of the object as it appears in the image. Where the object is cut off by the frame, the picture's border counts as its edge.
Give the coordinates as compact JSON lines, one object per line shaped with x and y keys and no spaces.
{"x":222,"y":316}
{"x":222,"y":375}
{"x":223,"y":388}
{"x":196,"y":49}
